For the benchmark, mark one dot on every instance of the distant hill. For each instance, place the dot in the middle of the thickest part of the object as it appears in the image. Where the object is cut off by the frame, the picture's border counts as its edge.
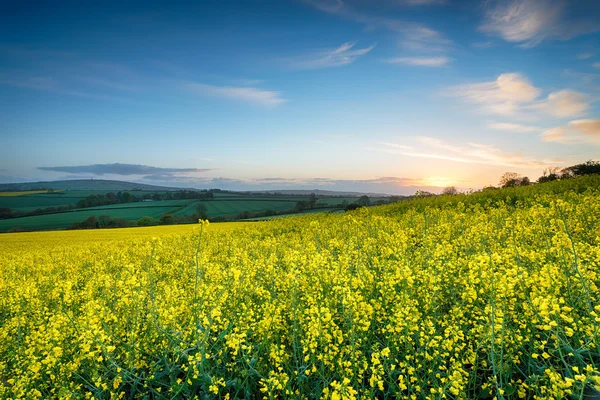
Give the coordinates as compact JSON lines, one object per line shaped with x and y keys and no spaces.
{"x":83,"y":184}
{"x":108,"y":185}
{"x":319,"y":192}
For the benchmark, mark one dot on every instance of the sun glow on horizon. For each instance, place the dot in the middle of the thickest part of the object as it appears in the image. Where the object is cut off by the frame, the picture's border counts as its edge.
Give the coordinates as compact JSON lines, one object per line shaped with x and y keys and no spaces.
{"x":439,"y":181}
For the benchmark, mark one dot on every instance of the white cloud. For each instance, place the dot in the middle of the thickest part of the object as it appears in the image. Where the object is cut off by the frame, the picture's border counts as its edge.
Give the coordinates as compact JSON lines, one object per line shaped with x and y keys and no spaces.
{"x":565,"y":103}
{"x":472,"y":153}
{"x":252,"y":95}
{"x":513,"y":94}
{"x":510,"y":127}
{"x":343,"y":55}
{"x":501,"y":96}
{"x":421,"y":61}
{"x":578,"y":131}
{"x":529,"y":22}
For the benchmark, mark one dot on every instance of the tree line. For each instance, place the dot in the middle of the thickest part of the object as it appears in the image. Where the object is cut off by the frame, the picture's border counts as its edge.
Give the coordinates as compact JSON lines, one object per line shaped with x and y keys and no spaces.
{"x":513,"y":179}
{"x":97,"y":200}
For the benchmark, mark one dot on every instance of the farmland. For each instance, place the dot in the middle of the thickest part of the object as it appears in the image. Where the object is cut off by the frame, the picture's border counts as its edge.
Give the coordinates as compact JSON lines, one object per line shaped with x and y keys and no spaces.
{"x":489,"y":295}
{"x":62,"y":208}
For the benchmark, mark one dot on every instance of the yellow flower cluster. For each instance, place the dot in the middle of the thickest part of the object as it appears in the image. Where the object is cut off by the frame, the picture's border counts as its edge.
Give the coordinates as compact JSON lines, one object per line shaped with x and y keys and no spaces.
{"x":418,"y":300}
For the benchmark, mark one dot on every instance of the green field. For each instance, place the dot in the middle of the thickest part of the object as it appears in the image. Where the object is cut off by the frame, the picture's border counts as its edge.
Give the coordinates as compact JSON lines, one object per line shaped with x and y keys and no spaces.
{"x":230,"y":207}
{"x":27,"y":203}
{"x":223,"y":205}
{"x":66,"y":219}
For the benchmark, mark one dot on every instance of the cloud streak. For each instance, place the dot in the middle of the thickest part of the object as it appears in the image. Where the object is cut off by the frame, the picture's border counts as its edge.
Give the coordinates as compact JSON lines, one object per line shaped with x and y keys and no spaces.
{"x":412,"y":36}
{"x":122,"y":169}
{"x":421,"y":61}
{"x":343,"y":55}
{"x":472,"y":153}
{"x":510,"y":127}
{"x":252,"y":95}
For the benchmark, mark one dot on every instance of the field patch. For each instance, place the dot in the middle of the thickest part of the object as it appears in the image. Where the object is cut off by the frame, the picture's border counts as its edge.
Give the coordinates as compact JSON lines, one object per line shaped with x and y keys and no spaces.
{"x":64,"y":220}
{"x":23,"y":193}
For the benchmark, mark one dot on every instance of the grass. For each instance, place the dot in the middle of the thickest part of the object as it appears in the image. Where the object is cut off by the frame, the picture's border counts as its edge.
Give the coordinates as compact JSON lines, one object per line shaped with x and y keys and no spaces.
{"x":23,"y":193}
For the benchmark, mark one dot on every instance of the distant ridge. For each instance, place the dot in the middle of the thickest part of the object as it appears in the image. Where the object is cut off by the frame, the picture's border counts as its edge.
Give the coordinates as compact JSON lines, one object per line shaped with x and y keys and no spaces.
{"x":84,"y":184}
{"x":111,"y":185}
{"x":319,"y":192}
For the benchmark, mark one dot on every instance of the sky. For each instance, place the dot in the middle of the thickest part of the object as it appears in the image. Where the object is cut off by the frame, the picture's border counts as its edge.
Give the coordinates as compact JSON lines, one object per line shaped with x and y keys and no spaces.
{"x":386,"y":96}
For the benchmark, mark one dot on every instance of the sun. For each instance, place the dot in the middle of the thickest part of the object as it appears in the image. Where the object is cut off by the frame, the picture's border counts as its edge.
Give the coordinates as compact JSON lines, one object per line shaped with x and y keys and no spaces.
{"x":439,"y":181}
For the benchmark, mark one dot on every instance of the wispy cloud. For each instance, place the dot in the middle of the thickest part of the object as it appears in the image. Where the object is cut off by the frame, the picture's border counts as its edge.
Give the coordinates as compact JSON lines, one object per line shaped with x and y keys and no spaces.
{"x":482,"y":45}
{"x":472,"y":153}
{"x":343,"y":55}
{"x":53,"y":85}
{"x":395,"y":145}
{"x":585,"y":56}
{"x":510,"y":127}
{"x":421,"y":61}
{"x":261,"y":97}
{"x":596,"y":65}
{"x":512,"y":93}
{"x":578,"y":131}
{"x":70,"y":74}
{"x":421,"y":2}
{"x":107,"y":83}
{"x":529,"y":22}
{"x":412,"y":36}
{"x":121,"y":169}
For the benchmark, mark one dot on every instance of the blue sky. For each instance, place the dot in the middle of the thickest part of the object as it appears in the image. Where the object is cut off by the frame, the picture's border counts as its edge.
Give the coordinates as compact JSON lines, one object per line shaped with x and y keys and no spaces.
{"x":382,"y":96}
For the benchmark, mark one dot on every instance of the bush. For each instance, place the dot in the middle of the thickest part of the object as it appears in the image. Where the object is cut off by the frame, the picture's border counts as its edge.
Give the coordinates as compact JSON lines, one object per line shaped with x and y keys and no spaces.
{"x":147,"y":221}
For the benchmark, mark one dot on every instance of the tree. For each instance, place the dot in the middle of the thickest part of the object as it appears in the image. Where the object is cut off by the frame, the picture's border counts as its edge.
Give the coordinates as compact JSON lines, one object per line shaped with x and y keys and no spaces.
{"x":166,"y":219}
{"x":128,"y":197}
{"x":450,"y":190}
{"x":363,"y":201}
{"x":301,"y":205}
{"x":312,"y":201}
{"x":147,"y":221}
{"x":510,"y":179}
{"x":586,"y":168}
{"x":202,"y":211}
{"x":103,"y":221}
{"x":550,"y":174}
{"x":423,"y":193}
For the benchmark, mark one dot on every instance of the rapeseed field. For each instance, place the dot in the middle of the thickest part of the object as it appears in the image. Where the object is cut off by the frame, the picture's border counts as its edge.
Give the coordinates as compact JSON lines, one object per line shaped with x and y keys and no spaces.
{"x":488,"y":295}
